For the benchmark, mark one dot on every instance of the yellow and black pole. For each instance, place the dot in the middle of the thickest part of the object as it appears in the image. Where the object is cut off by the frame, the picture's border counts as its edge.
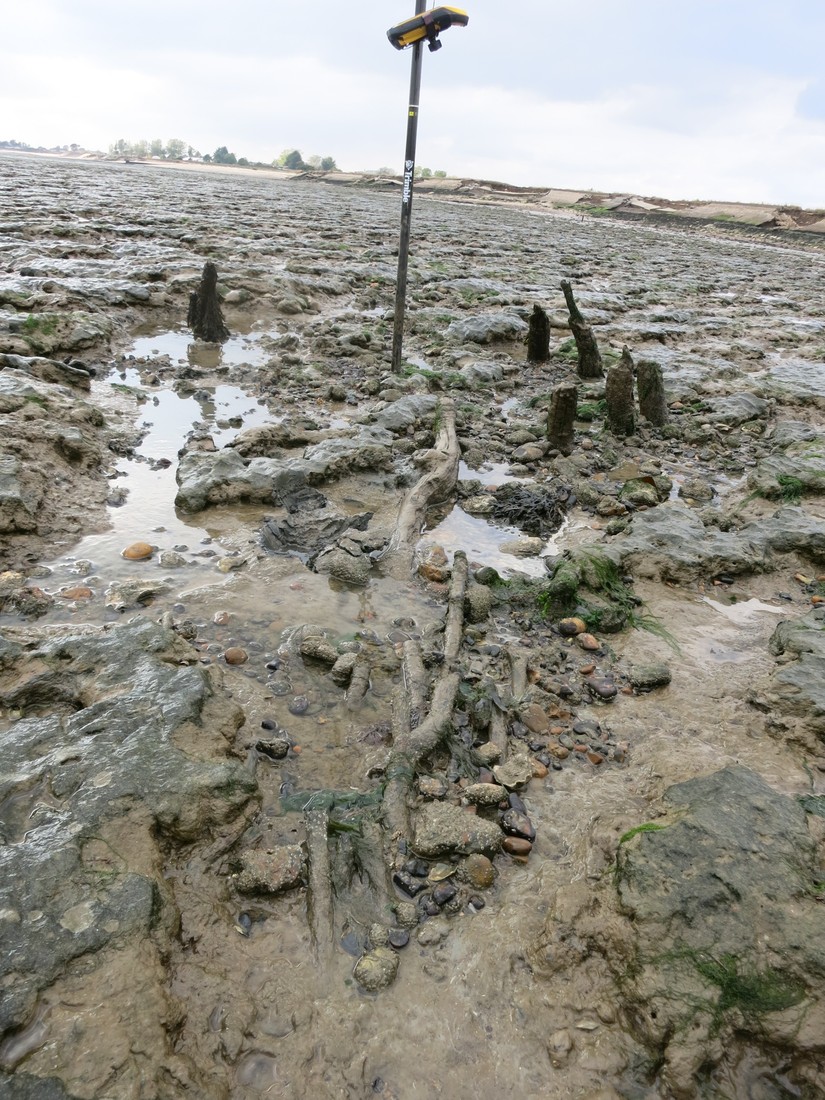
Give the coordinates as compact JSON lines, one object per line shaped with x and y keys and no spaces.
{"x":425,"y":25}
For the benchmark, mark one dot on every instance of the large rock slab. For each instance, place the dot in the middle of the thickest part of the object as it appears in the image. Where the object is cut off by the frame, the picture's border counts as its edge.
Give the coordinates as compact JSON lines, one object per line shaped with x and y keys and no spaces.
{"x":727,"y":929}
{"x":18,"y":507}
{"x":672,"y":543}
{"x":487,"y":329}
{"x":710,"y":933}
{"x":223,"y":477}
{"x":123,"y":740}
{"x":799,"y":469}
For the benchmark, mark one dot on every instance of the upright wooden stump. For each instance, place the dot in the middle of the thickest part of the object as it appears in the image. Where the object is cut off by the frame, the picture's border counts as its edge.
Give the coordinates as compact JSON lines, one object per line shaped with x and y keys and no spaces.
{"x":561,"y":416}
{"x":538,"y":336}
{"x":621,"y":418}
{"x":205,"y":317}
{"x":652,"y":404}
{"x":590,"y":361}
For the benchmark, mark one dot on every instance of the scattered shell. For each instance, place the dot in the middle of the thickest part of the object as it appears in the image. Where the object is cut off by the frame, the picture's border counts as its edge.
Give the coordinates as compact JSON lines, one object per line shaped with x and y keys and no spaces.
{"x":440,"y":871}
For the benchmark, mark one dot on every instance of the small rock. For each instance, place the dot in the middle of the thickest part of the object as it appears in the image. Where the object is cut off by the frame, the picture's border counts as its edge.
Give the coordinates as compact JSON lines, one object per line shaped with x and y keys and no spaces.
{"x":376,"y":970}
{"x":605,"y":689}
{"x":515,"y":824}
{"x":408,"y":883}
{"x":235,"y":656}
{"x":298,"y":705}
{"x":534,"y":718}
{"x":571,"y":627}
{"x":525,"y":547}
{"x":399,"y":937}
{"x":647,"y":677}
{"x":588,"y":642}
{"x":515,"y":773}
{"x":138,"y":551}
{"x":270,"y":872}
{"x":517,"y":846}
{"x":276,"y":749}
{"x":484,"y":794}
{"x":487,"y":754}
{"x":79,"y":592}
{"x":478,"y":871}
{"x":444,"y":892}
{"x":317,"y":648}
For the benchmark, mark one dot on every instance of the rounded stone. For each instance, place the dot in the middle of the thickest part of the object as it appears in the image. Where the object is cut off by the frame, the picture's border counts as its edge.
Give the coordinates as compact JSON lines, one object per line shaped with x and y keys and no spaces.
{"x":138,"y":551}
{"x":479,"y":872}
{"x":572,"y":626}
{"x":79,"y":592}
{"x":517,"y":846}
{"x":589,"y":642}
{"x":377,"y":969}
{"x":235,"y":656}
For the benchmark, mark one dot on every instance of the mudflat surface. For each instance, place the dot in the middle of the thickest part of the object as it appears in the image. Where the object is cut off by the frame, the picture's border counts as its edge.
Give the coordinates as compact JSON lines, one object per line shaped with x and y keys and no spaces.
{"x":165,"y":953}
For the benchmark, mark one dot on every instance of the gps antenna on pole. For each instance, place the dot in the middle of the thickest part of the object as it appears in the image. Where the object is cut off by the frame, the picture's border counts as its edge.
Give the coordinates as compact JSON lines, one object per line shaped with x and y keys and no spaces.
{"x":424,"y":26}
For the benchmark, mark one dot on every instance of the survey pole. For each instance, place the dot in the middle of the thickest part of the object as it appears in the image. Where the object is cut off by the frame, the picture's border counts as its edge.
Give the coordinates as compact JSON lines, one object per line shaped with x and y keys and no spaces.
{"x":406,"y":199}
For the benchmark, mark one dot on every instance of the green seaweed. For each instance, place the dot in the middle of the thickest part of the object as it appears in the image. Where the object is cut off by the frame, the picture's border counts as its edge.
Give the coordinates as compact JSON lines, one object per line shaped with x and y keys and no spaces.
{"x":751,"y":992}
{"x":647,"y":827}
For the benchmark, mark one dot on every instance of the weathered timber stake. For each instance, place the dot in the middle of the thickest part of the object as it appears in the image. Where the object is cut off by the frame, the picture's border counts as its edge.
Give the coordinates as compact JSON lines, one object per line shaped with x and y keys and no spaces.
{"x":320,"y":887}
{"x":435,"y":485}
{"x":538,"y":336}
{"x":590,"y":361}
{"x":560,"y":417}
{"x":652,"y":404}
{"x":205,"y":317}
{"x":618,"y":391}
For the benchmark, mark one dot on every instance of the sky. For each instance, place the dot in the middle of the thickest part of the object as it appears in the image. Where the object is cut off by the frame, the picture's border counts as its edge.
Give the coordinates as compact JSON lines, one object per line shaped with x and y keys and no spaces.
{"x":687,"y":99}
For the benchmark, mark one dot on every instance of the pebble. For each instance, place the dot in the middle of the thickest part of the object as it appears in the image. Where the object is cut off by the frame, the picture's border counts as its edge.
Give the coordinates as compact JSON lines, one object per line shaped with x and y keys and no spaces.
{"x":79,"y":592}
{"x":399,"y":937}
{"x":589,"y":642}
{"x":519,"y":825}
{"x":479,"y":871}
{"x":235,"y":656}
{"x":605,"y":689}
{"x":517,"y":846}
{"x":276,"y":749}
{"x":221,"y":618}
{"x":516,"y":803}
{"x":408,"y":883}
{"x":298,"y":705}
{"x":484,"y":794}
{"x":595,"y":757}
{"x":444,"y":892}
{"x":539,"y":770}
{"x":476,"y":903}
{"x":571,"y":627}
{"x":138,"y":551}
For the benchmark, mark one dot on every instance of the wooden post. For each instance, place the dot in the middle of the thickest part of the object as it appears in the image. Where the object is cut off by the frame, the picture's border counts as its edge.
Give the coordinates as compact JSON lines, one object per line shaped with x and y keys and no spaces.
{"x":205,"y":317}
{"x":652,"y":404}
{"x":538,"y":336}
{"x":590,"y":361}
{"x":561,"y":416}
{"x":621,"y":418}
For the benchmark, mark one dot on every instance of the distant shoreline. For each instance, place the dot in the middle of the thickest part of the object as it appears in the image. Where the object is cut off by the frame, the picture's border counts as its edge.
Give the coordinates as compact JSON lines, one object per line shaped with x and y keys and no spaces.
{"x":762,"y":216}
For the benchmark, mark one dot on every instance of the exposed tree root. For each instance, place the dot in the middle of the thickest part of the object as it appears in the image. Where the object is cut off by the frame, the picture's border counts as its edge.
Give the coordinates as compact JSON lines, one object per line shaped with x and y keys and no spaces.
{"x":413,"y":744}
{"x":435,"y":485}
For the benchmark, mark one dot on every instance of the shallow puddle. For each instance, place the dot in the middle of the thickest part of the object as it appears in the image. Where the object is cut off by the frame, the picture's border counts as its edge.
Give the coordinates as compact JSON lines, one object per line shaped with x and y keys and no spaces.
{"x":181,"y":347}
{"x":482,"y":542}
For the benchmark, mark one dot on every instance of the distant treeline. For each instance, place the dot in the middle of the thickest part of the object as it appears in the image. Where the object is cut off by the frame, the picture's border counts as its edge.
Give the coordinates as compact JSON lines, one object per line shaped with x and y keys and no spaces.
{"x":175,"y":149}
